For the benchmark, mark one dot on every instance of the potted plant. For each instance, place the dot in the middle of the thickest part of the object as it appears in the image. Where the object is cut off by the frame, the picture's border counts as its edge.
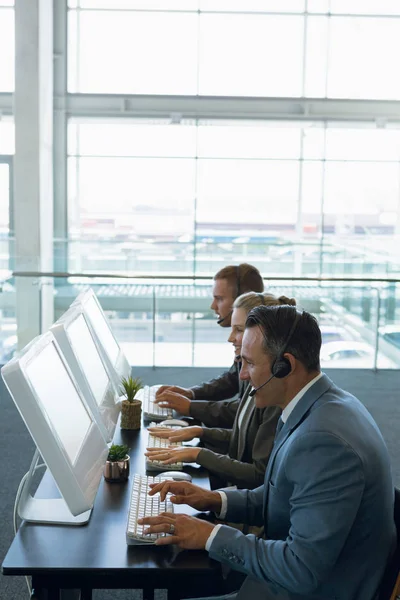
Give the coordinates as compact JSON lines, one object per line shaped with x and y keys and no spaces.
{"x":131,"y":409}
{"x":117,"y":464}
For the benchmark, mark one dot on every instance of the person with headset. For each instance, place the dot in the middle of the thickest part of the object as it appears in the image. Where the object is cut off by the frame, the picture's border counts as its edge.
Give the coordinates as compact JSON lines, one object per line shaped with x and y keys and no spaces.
{"x":237,"y":455}
{"x":327,"y":499}
{"x":229,"y":283}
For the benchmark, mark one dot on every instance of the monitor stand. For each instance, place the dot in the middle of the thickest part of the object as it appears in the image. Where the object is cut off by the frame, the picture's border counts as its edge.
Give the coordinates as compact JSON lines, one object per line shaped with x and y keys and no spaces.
{"x":51,"y":511}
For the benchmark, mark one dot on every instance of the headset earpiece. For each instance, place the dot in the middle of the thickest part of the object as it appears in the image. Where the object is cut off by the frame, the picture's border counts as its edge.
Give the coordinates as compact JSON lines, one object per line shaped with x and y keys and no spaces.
{"x":281,"y":368}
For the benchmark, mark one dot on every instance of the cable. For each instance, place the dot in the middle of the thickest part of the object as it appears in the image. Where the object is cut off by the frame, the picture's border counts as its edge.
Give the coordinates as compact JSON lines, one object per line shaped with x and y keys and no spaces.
{"x":33,"y":468}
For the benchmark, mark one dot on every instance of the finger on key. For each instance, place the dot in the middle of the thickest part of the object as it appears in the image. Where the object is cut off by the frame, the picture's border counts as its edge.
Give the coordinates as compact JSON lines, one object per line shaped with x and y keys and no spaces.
{"x":164,"y":518}
{"x":161,"y":488}
{"x":162,"y":528}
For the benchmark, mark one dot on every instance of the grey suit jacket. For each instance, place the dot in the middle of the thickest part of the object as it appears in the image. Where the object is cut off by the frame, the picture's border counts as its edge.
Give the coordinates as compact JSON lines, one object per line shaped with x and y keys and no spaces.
{"x":223,"y":387}
{"x":326,"y":505}
{"x":239,"y":456}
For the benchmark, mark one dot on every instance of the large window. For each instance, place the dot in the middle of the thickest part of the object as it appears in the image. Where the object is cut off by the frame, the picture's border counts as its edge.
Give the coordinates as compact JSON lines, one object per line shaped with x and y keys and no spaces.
{"x":210,"y":132}
{"x":7,"y":46}
{"x":259,"y":48}
{"x":7,"y":148}
{"x":155,"y":196}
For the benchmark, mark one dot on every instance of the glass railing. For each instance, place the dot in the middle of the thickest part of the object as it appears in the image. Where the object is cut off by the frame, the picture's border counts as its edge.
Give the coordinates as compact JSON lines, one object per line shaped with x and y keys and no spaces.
{"x":166,"y":321}
{"x":328,"y":256}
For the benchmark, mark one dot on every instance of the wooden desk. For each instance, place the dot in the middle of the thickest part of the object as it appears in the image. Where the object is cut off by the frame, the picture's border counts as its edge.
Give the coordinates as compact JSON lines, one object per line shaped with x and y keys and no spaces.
{"x":96,"y":555}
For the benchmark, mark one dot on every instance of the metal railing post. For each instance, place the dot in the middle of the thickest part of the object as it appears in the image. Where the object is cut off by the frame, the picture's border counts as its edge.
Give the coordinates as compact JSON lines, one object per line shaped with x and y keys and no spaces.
{"x":378,"y":318}
{"x":154,"y":326}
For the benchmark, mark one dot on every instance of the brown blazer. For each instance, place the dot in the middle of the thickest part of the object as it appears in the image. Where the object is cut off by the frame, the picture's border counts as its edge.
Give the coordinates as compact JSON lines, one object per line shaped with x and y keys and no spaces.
{"x":239,"y":456}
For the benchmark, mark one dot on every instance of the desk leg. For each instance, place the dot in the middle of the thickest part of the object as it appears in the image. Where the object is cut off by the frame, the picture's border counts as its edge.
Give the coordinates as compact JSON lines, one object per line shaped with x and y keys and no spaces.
{"x":148,"y":593}
{"x":40,"y":593}
{"x":70,"y":594}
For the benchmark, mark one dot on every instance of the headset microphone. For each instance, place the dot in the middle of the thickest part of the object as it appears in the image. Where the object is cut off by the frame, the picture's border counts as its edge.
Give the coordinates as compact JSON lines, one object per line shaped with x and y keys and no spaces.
{"x":224,"y":318}
{"x":253,"y":392}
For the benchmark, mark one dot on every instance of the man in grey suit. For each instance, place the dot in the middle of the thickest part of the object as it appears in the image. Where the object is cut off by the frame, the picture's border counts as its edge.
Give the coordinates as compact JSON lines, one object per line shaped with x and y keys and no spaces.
{"x":327,"y":499}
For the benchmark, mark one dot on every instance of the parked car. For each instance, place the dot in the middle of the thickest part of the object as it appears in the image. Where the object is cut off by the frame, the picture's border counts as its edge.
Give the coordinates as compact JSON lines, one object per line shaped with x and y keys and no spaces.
{"x":333,"y":333}
{"x":352,"y":355}
{"x":8,"y":346}
{"x":391,"y":334}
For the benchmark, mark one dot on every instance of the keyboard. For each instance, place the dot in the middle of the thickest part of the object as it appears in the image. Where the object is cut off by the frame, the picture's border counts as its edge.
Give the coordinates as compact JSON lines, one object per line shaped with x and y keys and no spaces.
{"x":143,"y":505}
{"x":152,"y":411}
{"x":157,"y":465}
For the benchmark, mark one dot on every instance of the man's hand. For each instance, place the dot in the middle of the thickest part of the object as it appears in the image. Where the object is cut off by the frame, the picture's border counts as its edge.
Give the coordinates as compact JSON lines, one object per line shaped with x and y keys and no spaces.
{"x":173,"y":454}
{"x":175,"y":388}
{"x":184,"y":492}
{"x":175,"y":401}
{"x":180,"y":434}
{"x":187,"y":532}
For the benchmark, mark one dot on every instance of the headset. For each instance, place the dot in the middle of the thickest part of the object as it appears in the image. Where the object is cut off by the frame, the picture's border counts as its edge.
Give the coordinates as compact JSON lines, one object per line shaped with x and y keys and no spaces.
{"x":238,"y":293}
{"x":281,"y":366}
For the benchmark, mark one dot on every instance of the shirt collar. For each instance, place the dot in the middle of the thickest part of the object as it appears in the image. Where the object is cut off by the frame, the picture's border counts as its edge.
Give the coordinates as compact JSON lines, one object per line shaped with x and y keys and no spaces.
{"x":288,"y":409}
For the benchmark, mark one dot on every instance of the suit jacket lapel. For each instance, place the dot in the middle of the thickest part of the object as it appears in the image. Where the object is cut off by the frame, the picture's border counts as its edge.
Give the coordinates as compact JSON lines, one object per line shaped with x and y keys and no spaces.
{"x":235,"y":442}
{"x":298,"y":414}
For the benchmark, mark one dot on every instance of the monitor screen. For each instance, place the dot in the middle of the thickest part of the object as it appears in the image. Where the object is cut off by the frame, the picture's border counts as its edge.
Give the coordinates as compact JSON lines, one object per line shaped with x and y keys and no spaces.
{"x":89,"y":358}
{"x":102,"y":328}
{"x":63,"y":428}
{"x":69,"y":418}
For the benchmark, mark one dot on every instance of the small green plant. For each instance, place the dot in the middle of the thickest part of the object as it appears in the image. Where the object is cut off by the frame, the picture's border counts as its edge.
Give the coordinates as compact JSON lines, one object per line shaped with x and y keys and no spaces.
{"x":130,"y":387}
{"x":116,"y":453}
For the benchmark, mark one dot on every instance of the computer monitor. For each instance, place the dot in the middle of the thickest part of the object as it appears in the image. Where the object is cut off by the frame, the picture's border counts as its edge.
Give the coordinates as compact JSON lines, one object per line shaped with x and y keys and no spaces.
{"x":93,"y":376}
{"x":104,"y":336}
{"x":63,"y":429}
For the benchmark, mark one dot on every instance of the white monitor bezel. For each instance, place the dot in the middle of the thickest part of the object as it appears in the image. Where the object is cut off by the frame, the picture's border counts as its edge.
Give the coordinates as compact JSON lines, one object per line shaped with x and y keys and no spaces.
{"x":121,"y":368}
{"x":78,"y":482}
{"x":107,"y":420}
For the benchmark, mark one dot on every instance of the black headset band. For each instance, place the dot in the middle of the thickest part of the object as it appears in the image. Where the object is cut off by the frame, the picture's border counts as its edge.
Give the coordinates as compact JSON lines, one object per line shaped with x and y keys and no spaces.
{"x":238,"y":291}
{"x":291,"y":332}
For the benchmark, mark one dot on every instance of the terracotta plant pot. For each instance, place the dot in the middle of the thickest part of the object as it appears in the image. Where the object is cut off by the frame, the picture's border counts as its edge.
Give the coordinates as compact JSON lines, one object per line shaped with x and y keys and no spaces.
{"x":131,"y":414}
{"x":117,"y":471}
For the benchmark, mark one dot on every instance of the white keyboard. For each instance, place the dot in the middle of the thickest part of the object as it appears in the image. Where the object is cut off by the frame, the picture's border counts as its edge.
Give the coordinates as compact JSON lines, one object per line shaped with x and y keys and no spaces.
{"x":162,"y":443}
{"x":143,"y":505}
{"x":152,"y":411}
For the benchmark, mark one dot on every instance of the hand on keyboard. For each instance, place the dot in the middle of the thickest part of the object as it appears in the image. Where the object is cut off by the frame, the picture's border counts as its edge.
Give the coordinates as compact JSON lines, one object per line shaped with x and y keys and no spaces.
{"x":161,"y":444}
{"x":143,"y":505}
{"x":173,"y":401}
{"x":187,"y":532}
{"x":184,"y":492}
{"x":180,"y":434}
{"x":172,"y":454}
{"x":175,"y":388}
{"x":152,"y":410}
